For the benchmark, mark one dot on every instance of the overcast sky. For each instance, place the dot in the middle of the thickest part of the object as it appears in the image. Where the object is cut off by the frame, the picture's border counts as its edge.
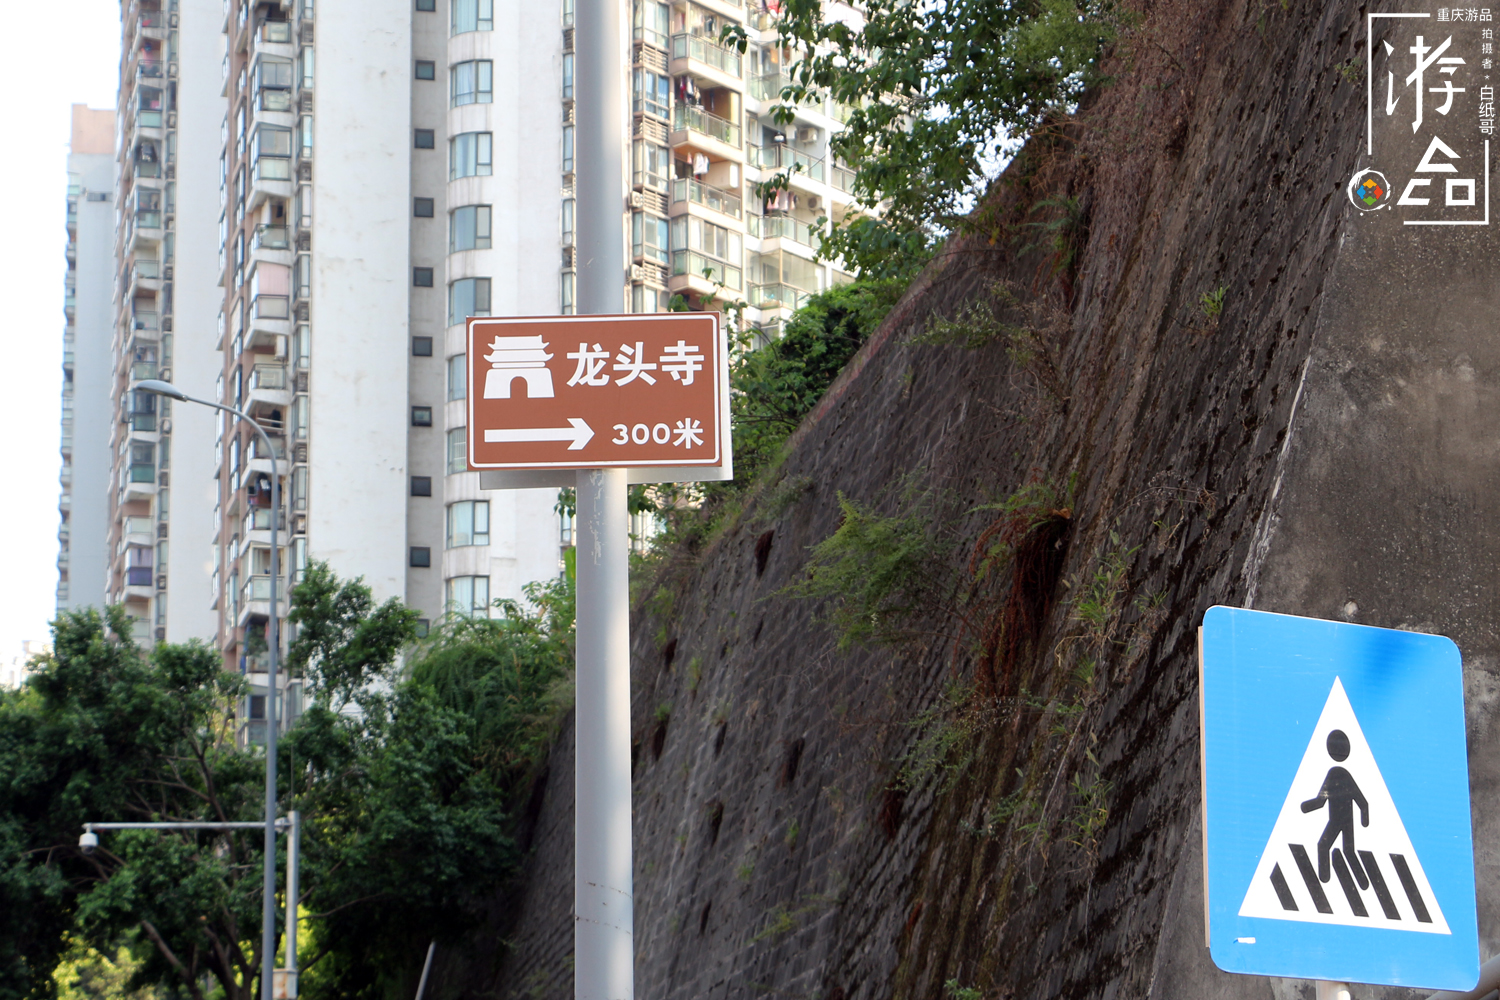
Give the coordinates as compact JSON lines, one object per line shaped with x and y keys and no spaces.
{"x":73,"y":58}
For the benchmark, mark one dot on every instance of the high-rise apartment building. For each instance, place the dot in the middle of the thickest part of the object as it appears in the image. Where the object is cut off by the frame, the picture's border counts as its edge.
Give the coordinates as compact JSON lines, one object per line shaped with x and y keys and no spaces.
{"x":164,"y":314}
{"x":87,"y":357}
{"x":314,"y":196}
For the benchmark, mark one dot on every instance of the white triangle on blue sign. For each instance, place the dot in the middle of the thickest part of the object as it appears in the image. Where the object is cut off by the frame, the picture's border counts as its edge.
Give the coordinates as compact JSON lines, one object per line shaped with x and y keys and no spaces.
{"x":1309,"y":870}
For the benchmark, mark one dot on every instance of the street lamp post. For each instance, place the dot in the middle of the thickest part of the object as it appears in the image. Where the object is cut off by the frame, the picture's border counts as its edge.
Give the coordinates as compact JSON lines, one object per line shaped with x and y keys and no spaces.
{"x":273,"y":642}
{"x":291,"y":823}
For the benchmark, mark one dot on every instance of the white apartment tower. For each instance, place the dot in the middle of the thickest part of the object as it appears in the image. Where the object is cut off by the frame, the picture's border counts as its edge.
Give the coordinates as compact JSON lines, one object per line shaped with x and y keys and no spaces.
{"x":355,"y":180}
{"x":87,"y":338}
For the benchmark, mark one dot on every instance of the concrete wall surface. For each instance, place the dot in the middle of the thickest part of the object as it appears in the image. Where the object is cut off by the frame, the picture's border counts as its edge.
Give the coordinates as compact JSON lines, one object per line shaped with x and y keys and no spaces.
{"x":907,"y":819}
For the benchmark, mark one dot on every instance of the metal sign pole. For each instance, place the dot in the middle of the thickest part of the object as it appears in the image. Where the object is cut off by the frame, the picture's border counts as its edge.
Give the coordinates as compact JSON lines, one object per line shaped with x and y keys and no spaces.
{"x":604,"y":952}
{"x":603,"y":943}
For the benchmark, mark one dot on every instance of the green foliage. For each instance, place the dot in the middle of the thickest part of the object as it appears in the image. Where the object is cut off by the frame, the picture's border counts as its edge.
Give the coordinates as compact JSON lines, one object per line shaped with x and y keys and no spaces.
{"x":407,"y":787}
{"x":780,"y":383}
{"x":933,"y":92}
{"x":104,"y":732}
{"x":779,"y":923}
{"x":85,"y":974}
{"x":1211,"y":304}
{"x":974,"y":326}
{"x":946,"y":739}
{"x":1090,"y":811}
{"x":876,"y":571}
{"x":1101,"y":600}
{"x":957,"y":992}
{"x":343,"y":641}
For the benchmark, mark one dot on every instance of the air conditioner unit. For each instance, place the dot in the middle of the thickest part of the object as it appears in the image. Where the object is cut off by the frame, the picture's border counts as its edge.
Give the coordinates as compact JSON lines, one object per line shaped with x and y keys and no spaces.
{"x":166,"y":426}
{"x":813,"y":202}
{"x":636,"y":201}
{"x":807,"y":133}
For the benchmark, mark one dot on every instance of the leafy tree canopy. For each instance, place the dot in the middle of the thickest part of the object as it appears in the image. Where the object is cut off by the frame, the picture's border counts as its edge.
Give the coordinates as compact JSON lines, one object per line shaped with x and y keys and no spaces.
{"x":932,"y":92}
{"x":406,"y":784}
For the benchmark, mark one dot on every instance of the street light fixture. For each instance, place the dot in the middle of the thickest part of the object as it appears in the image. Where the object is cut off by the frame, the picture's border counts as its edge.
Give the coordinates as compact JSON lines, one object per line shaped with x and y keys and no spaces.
{"x":273,"y":642}
{"x":88,"y":842}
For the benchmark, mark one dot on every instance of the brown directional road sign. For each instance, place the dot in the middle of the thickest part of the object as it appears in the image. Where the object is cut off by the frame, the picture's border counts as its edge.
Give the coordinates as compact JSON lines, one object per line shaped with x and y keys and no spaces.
{"x":590,"y":392}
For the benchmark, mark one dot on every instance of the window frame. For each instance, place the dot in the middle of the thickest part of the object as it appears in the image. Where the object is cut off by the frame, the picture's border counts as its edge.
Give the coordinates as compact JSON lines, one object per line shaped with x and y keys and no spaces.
{"x":480,"y":75}
{"x":462,"y":524}
{"x":458,"y":387}
{"x":482,"y":229}
{"x":473,"y":153}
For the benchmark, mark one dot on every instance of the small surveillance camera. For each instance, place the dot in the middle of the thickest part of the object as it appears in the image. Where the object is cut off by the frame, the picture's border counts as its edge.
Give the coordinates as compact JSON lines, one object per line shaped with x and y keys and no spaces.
{"x":88,"y":842}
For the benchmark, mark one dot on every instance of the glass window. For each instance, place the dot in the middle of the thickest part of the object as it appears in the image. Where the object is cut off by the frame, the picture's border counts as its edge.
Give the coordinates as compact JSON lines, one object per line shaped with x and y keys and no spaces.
{"x":421,"y":277}
{"x":653,"y":93}
{"x":469,"y":523}
{"x":299,"y":488}
{"x":469,"y":596}
{"x":468,"y":297}
{"x":426,"y":138}
{"x":427,"y":5}
{"x":469,"y":228}
{"x":653,"y":165}
{"x":648,"y":237}
{"x":652,"y":23}
{"x":472,"y":82}
{"x":421,"y":347}
{"x":421,"y":486}
{"x":302,"y":346}
{"x":307,"y":137}
{"x":568,"y":208}
{"x":421,"y":416}
{"x":457,"y":376}
{"x":470,"y":155}
{"x":426,"y":69}
{"x":307,"y":68}
{"x":473,"y":15}
{"x":274,"y":74}
{"x":422,"y":208}
{"x":458,"y":451}
{"x":567,"y":76}
{"x":693,"y":233}
{"x":567,"y":293}
{"x":567,"y":149}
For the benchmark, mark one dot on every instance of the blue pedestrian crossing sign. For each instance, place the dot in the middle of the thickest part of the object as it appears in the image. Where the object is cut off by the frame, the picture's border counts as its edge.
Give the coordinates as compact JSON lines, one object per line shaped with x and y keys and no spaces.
{"x":1337,"y":839}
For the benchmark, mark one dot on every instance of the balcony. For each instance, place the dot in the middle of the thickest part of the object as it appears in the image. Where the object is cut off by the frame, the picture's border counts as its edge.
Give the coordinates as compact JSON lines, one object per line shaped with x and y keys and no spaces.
{"x":685,"y":118}
{"x":142,"y":370}
{"x":770,"y":227}
{"x":841,"y":178}
{"x":139,"y":576}
{"x":705,"y":52}
{"x":779,"y":156}
{"x":767,"y":86}
{"x":145,"y":276}
{"x":269,"y":392}
{"x":146,"y":324}
{"x":272,"y":238}
{"x":276,"y":307}
{"x":705,"y":274}
{"x":685,"y":189}
{"x":778,"y":296}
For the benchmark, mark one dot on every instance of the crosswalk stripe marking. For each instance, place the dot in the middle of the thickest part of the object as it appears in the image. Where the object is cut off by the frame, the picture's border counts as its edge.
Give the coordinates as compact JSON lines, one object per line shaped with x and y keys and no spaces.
{"x":1310,"y":876}
{"x":1387,"y":904}
{"x":1410,"y":885}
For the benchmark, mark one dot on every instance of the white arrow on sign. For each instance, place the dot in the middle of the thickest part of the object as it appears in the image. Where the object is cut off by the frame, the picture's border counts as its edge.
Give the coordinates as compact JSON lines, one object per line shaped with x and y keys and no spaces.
{"x":579,"y":434}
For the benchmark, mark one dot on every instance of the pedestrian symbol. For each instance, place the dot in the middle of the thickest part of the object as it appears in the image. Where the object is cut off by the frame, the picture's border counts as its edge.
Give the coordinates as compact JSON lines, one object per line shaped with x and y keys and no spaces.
{"x":1337,"y":839}
{"x":1339,"y":853}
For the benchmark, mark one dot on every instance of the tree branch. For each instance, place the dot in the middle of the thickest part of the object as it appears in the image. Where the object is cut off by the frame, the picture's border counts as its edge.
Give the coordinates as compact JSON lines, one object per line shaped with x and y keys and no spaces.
{"x":172,"y":959}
